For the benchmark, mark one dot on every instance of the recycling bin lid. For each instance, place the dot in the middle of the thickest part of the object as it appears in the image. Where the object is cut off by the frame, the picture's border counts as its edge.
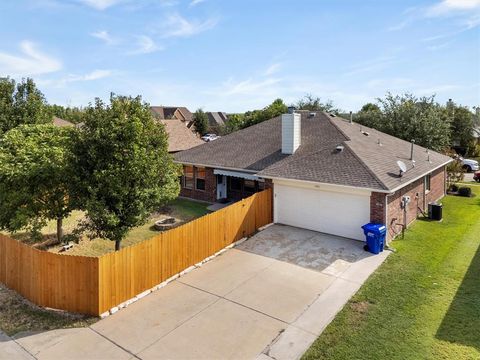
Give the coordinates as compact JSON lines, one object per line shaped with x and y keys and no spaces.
{"x":374,"y":227}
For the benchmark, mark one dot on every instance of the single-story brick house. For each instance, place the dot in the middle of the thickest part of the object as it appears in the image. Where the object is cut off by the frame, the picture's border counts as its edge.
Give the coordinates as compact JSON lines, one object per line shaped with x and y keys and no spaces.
{"x":328,"y":174}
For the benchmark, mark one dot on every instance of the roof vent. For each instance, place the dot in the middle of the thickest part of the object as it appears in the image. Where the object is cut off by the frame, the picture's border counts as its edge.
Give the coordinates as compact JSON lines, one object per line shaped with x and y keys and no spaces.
{"x":366,"y":133}
{"x":312,"y":114}
{"x":291,"y":109}
{"x":379,"y":142}
{"x":339,"y":148}
{"x":333,"y":115}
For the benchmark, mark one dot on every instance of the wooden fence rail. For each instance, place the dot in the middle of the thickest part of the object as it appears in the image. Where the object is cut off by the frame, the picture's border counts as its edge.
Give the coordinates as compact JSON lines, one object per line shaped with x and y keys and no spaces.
{"x":93,"y":285}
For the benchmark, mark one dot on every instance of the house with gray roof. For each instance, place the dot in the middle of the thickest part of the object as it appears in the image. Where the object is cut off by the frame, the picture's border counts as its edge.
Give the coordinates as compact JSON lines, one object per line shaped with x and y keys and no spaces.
{"x":328,"y":174}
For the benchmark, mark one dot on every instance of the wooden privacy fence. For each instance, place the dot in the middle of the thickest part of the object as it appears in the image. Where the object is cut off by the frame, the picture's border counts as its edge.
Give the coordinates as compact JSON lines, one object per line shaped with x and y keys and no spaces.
{"x":93,"y":285}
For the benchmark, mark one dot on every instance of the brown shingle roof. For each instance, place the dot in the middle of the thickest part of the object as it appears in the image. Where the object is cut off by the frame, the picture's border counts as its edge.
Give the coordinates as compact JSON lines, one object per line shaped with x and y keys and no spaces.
{"x":179,"y":136}
{"x":382,"y":158}
{"x":172,"y":112}
{"x":363,"y":162}
{"x":216,"y":118}
{"x":61,"y":123}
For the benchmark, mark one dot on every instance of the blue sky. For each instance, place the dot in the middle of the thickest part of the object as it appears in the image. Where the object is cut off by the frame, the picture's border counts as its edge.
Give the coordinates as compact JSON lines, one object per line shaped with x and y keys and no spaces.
{"x":240,"y":55}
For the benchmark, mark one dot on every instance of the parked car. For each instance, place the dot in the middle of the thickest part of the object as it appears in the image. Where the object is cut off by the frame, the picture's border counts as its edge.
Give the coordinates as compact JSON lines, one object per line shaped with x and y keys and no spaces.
{"x":210,"y":137}
{"x":476,"y":176}
{"x":469,"y":164}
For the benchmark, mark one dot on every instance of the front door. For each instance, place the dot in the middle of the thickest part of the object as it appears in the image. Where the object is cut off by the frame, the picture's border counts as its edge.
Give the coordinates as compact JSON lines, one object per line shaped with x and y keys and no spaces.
{"x":221,"y":187}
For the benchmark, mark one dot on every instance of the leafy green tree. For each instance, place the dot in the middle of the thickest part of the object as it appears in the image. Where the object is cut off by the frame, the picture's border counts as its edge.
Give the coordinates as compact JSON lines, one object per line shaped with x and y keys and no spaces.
{"x":21,"y":103}
{"x":370,"y":115}
{"x":200,"y":121}
{"x":313,"y":103}
{"x":123,"y":166}
{"x":275,"y":109}
{"x":72,"y":114}
{"x":234,"y":123}
{"x":36,"y":177}
{"x":462,"y":123}
{"x":410,"y":118}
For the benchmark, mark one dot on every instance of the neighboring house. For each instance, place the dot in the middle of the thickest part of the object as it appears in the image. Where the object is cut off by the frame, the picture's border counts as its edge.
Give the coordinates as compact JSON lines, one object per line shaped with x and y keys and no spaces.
{"x":173,"y":112}
{"x":178,"y":123}
{"x":216,"y":118}
{"x":180,"y":137}
{"x":327,"y":174}
{"x":61,"y":123}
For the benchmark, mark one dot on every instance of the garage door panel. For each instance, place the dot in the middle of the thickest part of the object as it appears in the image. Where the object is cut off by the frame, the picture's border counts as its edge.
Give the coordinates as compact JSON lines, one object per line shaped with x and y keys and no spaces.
{"x":336,"y":213}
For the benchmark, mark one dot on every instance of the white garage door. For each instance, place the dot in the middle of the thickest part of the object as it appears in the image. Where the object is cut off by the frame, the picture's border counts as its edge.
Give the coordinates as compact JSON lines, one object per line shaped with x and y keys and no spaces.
{"x":330,"y":212}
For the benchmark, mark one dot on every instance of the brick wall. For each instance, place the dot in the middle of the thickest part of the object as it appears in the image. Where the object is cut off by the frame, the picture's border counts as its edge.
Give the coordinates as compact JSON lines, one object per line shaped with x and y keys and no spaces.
{"x":377,"y":207}
{"x":419,"y":200}
{"x":210,"y":192}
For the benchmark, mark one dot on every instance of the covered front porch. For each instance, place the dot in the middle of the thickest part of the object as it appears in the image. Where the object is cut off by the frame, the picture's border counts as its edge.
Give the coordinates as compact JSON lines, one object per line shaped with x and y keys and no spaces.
{"x":235,"y":185}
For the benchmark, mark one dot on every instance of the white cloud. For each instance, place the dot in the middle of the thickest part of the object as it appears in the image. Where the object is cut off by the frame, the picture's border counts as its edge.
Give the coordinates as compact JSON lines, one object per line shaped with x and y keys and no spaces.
{"x":178,"y":26}
{"x":145,"y":45}
{"x":400,"y":26}
{"x":446,"y":7}
{"x":94,"y":75}
{"x":371,"y":65}
{"x":72,"y":78}
{"x":100,"y":4}
{"x":195,"y":2}
{"x":249,"y":86}
{"x":32,"y":62}
{"x":438,"y":46}
{"x":472,"y":22}
{"x":104,"y":36}
{"x":466,"y":25}
{"x":272,"y":69}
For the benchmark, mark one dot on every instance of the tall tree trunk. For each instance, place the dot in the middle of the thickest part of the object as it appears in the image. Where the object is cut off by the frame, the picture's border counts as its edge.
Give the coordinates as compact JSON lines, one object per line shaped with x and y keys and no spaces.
{"x":117,"y":245}
{"x":59,"y":229}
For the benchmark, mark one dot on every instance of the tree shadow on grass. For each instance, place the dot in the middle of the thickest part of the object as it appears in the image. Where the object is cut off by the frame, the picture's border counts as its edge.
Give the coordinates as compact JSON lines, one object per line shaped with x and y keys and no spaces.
{"x":461,"y":324}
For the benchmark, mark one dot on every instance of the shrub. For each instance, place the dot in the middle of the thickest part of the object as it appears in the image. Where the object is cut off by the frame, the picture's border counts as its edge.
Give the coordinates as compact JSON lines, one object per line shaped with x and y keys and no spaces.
{"x":465,"y":191}
{"x":453,"y":188}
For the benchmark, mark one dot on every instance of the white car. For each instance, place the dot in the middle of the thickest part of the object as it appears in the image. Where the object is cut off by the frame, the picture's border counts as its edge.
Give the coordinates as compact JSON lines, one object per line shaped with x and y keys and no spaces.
{"x":209,"y":137}
{"x":470,"y":164}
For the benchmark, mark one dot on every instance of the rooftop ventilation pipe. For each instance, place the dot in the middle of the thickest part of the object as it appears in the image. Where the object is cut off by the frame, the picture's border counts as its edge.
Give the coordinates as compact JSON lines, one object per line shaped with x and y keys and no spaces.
{"x":351,"y":117}
{"x":411,"y":149}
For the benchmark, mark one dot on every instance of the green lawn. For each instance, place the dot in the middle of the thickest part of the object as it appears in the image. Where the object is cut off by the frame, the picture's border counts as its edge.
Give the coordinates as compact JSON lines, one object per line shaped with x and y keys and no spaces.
{"x":182,"y":209}
{"x":423,"y":302}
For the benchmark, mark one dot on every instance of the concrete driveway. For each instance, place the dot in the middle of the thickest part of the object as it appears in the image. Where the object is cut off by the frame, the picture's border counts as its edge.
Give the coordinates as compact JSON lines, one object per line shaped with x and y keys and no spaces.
{"x":269,"y":297}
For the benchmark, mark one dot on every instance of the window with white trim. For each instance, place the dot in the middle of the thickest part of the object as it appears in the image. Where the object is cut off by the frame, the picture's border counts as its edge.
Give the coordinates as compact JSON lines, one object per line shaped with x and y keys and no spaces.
{"x":200,"y":178}
{"x":427,"y":183}
{"x":188,"y":177}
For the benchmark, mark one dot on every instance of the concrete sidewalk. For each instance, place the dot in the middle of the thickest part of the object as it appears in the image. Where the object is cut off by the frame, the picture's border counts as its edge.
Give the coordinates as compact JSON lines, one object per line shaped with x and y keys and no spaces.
{"x":9,"y":349}
{"x":269,"y":298}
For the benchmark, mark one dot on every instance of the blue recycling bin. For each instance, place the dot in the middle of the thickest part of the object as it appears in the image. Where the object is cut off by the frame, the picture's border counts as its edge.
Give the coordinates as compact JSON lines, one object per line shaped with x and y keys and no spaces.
{"x":375,"y":237}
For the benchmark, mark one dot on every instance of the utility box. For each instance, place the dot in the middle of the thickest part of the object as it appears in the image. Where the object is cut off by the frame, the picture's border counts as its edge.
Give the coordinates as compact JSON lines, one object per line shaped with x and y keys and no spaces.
{"x":435,"y":211}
